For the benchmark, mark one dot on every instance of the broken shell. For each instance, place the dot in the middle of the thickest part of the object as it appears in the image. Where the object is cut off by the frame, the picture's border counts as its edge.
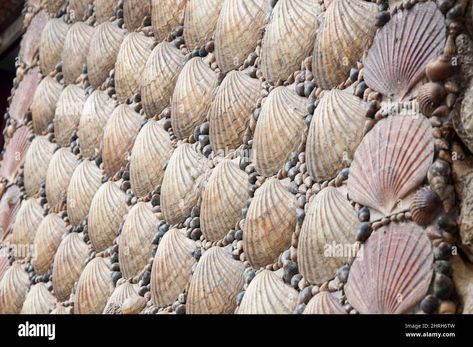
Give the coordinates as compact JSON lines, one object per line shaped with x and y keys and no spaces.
{"x":200,"y":20}
{"x":27,"y":221}
{"x":429,"y":96}
{"x":324,"y":303}
{"x":15,"y":153}
{"x":29,"y":45}
{"x":76,"y":48}
{"x":135,"y":11}
{"x":23,"y":95}
{"x":13,"y":289}
{"x":39,"y":300}
{"x":43,"y":106}
{"x":68,"y":110}
{"x":36,"y":165}
{"x":165,"y":16}
{"x":425,"y":206}
{"x":51,"y":44}
{"x":119,"y":296}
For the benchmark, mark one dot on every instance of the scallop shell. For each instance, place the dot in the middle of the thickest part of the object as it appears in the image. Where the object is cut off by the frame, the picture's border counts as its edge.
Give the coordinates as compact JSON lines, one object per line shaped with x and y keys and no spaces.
{"x":94,"y":288}
{"x":15,"y":153}
{"x":347,"y":31}
{"x":4,"y":262}
{"x":231,"y":109}
{"x":104,"y":10}
{"x":58,"y":176}
{"x":159,"y":77}
{"x":392,"y":160}
{"x":393,"y":67}
{"x":68,"y":110}
{"x":119,"y":296}
{"x":324,"y":303}
{"x":327,"y":235}
{"x":68,"y":265}
{"x":77,"y":9}
{"x":9,"y":206}
{"x":46,"y":242}
{"x":29,"y":45}
{"x":106,"y":213}
{"x":223,"y":199}
{"x":394,"y":272}
{"x":53,"y":6}
{"x":239,"y":27}
{"x":216,"y":281}
{"x":43,"y":106}
{"x":103,"y":51}
{"x":76,"y":48}
{"x":335,"y":132}
{"x":134,"y":12}
{"x":279,"y":131}
{"x":269,"y":224}
{"x":23,"y":95}
{"x":51,"y":44}
{"x":118,"y":137}
{"x":268,"y":294}
{"x":97,"y":109}
{"x":36,"y":165}
{"x":151,"y":151}
{"x":134,"y":305}
{"x":13,"y":289}
{"x":200,"y":20}
{"x":182,"y":183}
{"x":27,"y":221}
{"x":84,"y":183}
{"x":39,"y":300}
{"x":289,"y":38}
{"x":136,"y":239}
{"x":165,"y":16}
{"x":172,"y":266}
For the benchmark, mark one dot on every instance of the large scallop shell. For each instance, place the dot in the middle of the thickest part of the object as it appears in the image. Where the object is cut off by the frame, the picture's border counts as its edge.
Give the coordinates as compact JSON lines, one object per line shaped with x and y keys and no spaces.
{"x":84,"y":183}
{"x":51,"y":44}
{"x":327,"y":235}
{"x":394,"y":271}
{"x":27,"y":221}
{"x":216,"y":281}
{"x":403,"y":48}
{"x":68,"y":264}
{"x":13,"y":289}
{"x":239,"y":27}
{"x":29,"y":45}
{"x":182,"y":183}
{"x":347,"y":31}
{"x":39,"y":300}
{"x":43,"y":106}
{"x":268,"y":294}
{"x":68,"y":110}
{"x":136,"y":239}
{"x":131,"y":60}
{"x":279,"y":131}
{"x":324,"y":303}
{"x":15,"y":153}
{"x":104,"y":10}
{"x":103,"y":51}
{"x":97,"y":109}
{"x":36,"y":165}
{"x":165,"y":16}
{"x":224,"y":197}
{"x":392,"y":160}
{"x":76,"y":47}
{"x":118,"y":137}
{"x":200,"y":20}
{"x":269,"y":224}
{"x":46,"y":242}
{"x":134,"y":12}
{"x":106,"y":213}
{"x":159,"y":77}
{"x":231,"y":109}
{"x":172,"y":266}
{"x":94,"y":287}
{"x":9,"y":206}
{"x":119,"y":296}
{"x":60,"y":170}
{"x":289,"y":38}
{"x":23,"y":95}
{"x":151,"y":151}
{"x":192,"y":97}
{"x":335,"y":132}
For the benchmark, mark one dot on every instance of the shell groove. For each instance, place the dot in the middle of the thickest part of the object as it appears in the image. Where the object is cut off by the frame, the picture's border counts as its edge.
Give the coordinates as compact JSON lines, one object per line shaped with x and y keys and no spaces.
{"x":4,"y":263}
{"x":43,"y":106}
{"x":23,"y":95}
{"x":15,"y":153}
{"x":104,"y":10}
{"x":134,"y":12}
{"x":39,"y":300}
{"x":165,"y":16}
{"x":51,"y":44}
{"x":27,"y":221}
{"x":324,"y":303}
{"x":13,"y":289}
{"x":36,"y":165}
{"x":269,"y":224}
{"x":119,"y":296}
{"x":394,"y":272}
{"x":200,"y":20}
{"x":29,"y":45}
{"x":76,"y":47}
{"x":279,"y":130}
{"x":68,"y":110}
{"x":9,"y":206}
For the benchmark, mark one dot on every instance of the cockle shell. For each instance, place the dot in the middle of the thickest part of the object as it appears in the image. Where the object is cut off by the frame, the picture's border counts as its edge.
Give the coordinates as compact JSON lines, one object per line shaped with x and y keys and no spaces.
{"x":393,"y":67}
{"x":51,"y":44}
{"x":268,"y":294}
{"x":23,"y":95}
{"x":77,"y":9}
{"x":335,"y":132}
{"x":324,"y":303}
{"x":150,"y":152}
{"x":103,"y":51}
{"x":9,"y":207}
{"x":134,"y":12}
{"x":200,"y":20}
{"x":104,"y":10}
{"x":76,"y":48}
{"x":119,"y":296}
{"x":13,"y":289}
{"x":429,"y":96}
{"x":37,"y":162}
{"x":392,"y":160}
{"x":279,"y":130}
{"x":239,"y":27}
{"x":39,"y":300}
{"x":223,"y":198}
{"x":60,"y":170}
{"x":172,"y":266}
{"x":68,"y":265}
{"x":216,"y":281}
{"x":269,"y":224}
{"x":15,"y":153}
{"x":131,"y":60}
{"x":182,"y":183}
{"x":159,"y":77}
{"x":84,"y":183}
{"x":231,"y":109}
{"x":29,"y":45}
{"x":327,"y":235}
{"x":165,"y":16}
{"x":68,"y":110}
{"x":53,"y":6}
{"x":43,"y":106}
{"x":27,"y":221}
{"x":94,"y":287}
{"x":46,"y":242}
{"x":394,"y":272}
{"x":118,"y":137}
{"x":289,"y":38}
{"x":425,"y":206}
{"x":136,"y":239}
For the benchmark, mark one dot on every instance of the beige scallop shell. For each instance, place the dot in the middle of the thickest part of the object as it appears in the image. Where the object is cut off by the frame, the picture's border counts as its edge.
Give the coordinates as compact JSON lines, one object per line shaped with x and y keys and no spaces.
{"x":9,"y":206}
{"x":134,"y":12}
{"x":14,"y":153}
{"x":43,"y":106}
{"x":119,"y":296}
{"x":27,"y":221}
{"x":76,"y":48}
{"x":51,"y":44}
{"x":36,"y":165}
{"x":200,"y":20}
{"x":104,"y":10}
{"x":13,"y":289}
{"x":39,"y":300}
{"x":166,"y":15}
{"x":324,"y":303}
